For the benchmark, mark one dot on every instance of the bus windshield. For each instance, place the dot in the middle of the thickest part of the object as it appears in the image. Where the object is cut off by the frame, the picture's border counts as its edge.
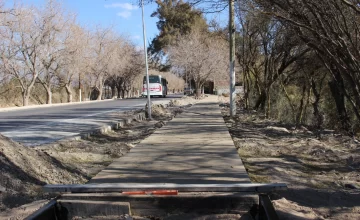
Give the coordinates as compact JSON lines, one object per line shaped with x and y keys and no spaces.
{"x":152,"y":79}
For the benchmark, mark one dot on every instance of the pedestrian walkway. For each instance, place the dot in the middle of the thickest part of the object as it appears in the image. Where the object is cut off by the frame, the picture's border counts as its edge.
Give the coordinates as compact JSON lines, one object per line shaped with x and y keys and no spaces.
{"x":193,"y":148}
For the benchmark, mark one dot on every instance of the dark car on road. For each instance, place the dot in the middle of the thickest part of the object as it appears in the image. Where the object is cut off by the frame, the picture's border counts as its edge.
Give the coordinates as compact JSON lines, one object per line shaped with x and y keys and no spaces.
{"x":188,"y":91}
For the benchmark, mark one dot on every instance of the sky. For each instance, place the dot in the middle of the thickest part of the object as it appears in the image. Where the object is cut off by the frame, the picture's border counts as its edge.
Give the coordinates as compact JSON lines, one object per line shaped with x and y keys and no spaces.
{"x":123,"y":15}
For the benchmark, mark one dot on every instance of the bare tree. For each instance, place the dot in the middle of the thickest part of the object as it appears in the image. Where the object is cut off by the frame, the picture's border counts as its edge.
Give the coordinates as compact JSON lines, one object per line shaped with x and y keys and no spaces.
{"x":203,"y":57}
{"x":103,"y":48}
{"x":74,"y":58}
{"x":20,"y":48}
{"x":52,"y":24}
{"x":126,"y":64}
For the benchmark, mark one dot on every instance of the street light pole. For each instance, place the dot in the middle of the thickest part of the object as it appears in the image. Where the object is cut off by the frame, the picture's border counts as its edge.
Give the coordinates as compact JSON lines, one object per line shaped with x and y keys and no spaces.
{"x":146,"y":63}
{"x":232,"y":57}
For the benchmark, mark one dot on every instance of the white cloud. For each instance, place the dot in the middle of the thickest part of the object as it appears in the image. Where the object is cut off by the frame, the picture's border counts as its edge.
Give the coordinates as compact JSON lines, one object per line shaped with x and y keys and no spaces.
{"x":124,"y":14}
{"x":126,"y":6}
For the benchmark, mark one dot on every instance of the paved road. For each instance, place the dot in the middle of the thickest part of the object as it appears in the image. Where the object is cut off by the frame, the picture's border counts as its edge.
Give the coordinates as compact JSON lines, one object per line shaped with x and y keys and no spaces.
{"x":35,"y":126}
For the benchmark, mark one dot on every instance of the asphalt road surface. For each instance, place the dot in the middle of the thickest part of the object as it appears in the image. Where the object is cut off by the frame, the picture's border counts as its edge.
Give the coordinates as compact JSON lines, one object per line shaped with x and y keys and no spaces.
{"x":36,"y":126}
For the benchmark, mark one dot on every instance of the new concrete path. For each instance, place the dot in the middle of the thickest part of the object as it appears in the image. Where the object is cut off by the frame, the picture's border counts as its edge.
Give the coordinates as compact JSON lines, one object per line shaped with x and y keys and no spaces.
{"x":193,"y":148}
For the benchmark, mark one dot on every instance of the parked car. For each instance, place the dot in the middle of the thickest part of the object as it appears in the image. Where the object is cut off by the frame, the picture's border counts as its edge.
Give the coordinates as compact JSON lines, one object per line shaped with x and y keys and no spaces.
{"x":188,"y":91}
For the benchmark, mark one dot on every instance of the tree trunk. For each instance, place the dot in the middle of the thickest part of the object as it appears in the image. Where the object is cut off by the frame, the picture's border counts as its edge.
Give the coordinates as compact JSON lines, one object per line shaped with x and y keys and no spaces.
{"x":319,"y":120}
{"x":113,"y":92}
{"x":198,"y":89}
{"x":25,"y":96}
{"x":69,"y":92}
{"x":246,"y":90}
{"x":101,"y":86}
{"x":118,"y":92}
{"x":48,"y":92}
{"x":289,"y":100}
{"x":48,"y":96}
{"x":268,"y":106}
{"x":318,"y":117}
{"x":47,"y":87}
{"x":339,"y":99}
{"x":301,"y":107}
{"x":261,"y":101}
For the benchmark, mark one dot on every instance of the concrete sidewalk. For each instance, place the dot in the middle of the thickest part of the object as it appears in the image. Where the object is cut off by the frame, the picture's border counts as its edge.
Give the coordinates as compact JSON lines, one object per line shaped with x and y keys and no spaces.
{"x":193,"y":148}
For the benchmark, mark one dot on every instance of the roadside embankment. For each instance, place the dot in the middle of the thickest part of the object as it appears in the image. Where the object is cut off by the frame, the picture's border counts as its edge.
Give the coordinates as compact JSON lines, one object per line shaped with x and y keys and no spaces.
{"x":24,"y":170}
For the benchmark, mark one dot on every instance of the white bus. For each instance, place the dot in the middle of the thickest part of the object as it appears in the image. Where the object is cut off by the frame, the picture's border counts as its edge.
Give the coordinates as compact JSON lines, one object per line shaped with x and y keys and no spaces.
{"x":157,"y":84}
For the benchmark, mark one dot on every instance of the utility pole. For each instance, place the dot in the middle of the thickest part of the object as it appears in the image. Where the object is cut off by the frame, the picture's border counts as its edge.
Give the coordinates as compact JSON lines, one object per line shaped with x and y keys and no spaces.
{"x":146,"y":63}
{"x":232,"y":57}
{"x":80,"y":87}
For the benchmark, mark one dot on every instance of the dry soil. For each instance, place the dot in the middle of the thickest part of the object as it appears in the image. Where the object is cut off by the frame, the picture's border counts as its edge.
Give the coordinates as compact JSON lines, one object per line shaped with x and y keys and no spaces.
{"x":321,"y":171}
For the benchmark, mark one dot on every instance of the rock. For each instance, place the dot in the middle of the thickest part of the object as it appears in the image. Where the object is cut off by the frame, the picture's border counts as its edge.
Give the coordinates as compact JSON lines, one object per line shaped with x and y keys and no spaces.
{"x":350,"y":160}
{"x":316,"y":152}
{"x":224,"y":105}
{"x":303,"y":128}
{"x":279,"y":129}
{"x":231,"y":121}
{"x":151,"y":130}
{"x":246,"y":216}
{"x":159,"y":124}
{"x":2,"y":189}
{"x":128,"y":217}
{"x":351,"y":186}
{"x":130,"y":145}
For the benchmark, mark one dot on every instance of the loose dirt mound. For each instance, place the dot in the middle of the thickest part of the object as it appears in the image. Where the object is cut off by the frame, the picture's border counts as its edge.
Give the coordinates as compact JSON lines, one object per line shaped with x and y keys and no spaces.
{"x":186,"y":100}
{"x":24,"y":170}
{"x":158,"y":111}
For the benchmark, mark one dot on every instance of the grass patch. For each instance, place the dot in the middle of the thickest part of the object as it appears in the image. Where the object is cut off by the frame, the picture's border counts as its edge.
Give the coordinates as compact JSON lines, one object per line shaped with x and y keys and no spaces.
{"x":255,"y":178}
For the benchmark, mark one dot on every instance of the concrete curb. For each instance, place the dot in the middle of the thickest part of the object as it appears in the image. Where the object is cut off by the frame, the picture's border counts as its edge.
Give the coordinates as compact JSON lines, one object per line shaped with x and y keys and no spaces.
{"x":51,"y":105}
{"x":7,"y":109}
{"x":107,"y":128}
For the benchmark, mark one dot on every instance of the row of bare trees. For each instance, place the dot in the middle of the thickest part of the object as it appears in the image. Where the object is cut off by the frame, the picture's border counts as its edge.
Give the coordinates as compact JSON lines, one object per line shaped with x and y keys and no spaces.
{"x":46,"y":46}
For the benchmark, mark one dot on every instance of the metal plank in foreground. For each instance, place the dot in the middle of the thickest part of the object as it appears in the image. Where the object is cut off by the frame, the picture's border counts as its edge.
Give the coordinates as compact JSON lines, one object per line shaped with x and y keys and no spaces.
{"x":266,"y":208}
{"x":122,"y":187}
{"x":46,"y":212}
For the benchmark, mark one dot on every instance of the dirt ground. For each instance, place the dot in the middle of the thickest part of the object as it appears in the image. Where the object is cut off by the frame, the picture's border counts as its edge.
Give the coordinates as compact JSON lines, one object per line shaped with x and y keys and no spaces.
{"x":24,"y":170}
{"x":322,"y":174}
